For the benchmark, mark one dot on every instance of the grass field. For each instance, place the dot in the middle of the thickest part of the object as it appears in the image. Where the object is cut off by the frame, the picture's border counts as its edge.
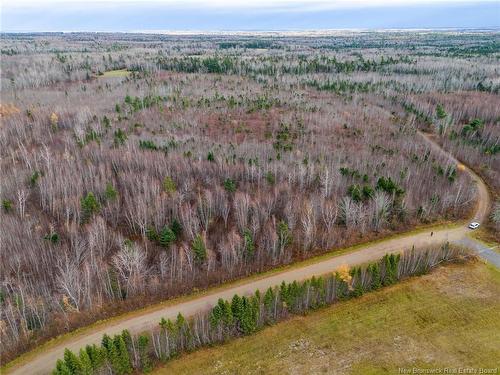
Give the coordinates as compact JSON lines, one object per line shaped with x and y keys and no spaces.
{"x":115,"y":73}
{"x":446,"y":319}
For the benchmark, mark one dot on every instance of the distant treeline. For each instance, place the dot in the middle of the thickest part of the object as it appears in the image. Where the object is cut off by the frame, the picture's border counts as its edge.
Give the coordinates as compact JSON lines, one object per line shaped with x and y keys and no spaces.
{"x":270,"y":67}
{"x":257,"y":44}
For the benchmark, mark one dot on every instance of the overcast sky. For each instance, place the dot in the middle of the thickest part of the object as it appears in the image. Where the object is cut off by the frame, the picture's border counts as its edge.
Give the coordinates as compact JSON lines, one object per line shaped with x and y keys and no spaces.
{"x":214,"y":15}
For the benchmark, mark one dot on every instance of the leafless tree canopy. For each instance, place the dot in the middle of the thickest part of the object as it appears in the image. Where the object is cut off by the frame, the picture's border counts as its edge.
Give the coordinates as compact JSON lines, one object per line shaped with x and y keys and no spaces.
{"x":136,"y":167}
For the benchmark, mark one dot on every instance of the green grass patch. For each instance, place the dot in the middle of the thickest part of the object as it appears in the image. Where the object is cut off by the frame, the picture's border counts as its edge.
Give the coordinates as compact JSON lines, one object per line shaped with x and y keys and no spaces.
{"x":115,"y":73}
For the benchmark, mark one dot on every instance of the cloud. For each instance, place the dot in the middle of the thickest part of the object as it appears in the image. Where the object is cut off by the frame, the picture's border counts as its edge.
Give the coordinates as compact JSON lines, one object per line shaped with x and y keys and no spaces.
{"x":130,"y":15}
{"x":305,"y":5}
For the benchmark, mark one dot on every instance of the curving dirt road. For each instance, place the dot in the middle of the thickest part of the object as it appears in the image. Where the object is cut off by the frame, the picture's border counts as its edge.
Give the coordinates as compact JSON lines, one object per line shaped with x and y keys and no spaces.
{"x":44,"y":361}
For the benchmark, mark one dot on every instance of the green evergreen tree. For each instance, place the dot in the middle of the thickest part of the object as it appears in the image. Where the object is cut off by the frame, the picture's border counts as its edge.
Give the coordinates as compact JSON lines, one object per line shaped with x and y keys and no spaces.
{"x":358,"y":282}
{"x":120,"y":137}
{"x":176,"y":228}
{"x":7,"y":205}
{"x":284,"y":235}
{"x":97,"y":356}
{"x":106,"y":122}
{"x":227,"y":315}
{"x":113,"y":357}
{"x":248,"y":243}
{"x":440,"y":112}
{"x":169,"y":185}
{"x":391,"y":262}
{"x":216,"y":314}
{"x":199,"y":249}
{"x":72,"y":362}
{"x":106,"y":342}
{"x":127,"y":338}
{"x":173,"y":334}
{"x":182,"y":330}
{"x":61,"y":368}
{"x":34,"y":178}
{"x":270,"y":178}
{"x":255,"y":309}
{"x":355,"y":193}
{"x":163,"y":324}
{"x":143,"y":348}
{"x":110,"y":193}
{"x":342,"y":287}
{"x":166,"y":237}
{"x":118,"y":356}
{"x":367,"y":192}
{"x":376,"y":282}
{"x":122,"y":360}
{"x":269,"y":301}
{"x":248,"y":314}
{"x":86,"y":363}
{"x":152,"y":234}
{"x":89,"y":205}
{"x":229,"y":185}
{"x":237,"y":308}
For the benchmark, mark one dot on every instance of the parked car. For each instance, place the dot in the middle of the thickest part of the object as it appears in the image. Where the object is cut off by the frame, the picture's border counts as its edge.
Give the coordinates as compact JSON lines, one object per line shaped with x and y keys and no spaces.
{"x":473,"y":225}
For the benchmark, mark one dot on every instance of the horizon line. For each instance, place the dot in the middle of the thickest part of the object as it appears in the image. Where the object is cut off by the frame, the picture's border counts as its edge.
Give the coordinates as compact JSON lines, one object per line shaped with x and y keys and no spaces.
{"x":246,"y":31}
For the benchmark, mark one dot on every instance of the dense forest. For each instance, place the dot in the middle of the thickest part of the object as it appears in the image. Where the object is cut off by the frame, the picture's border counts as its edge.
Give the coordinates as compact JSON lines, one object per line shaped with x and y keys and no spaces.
{"x":138,"y":167}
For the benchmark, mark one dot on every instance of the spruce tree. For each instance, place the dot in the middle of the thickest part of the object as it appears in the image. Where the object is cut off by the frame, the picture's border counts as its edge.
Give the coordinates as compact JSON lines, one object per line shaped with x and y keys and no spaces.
{"x":113,"y":356}
{"x":97,"y":356}
{"x":284,"y":295}
{"x":89,"y":206}
{"x":391,"y":262}
{"x":440,"y":112}
{"x":176,"y":228}
{"x":72,"y":362}
{"x":86,"y":363}
{"x":163,"y":324}
{"x":236,"y":307}
{"x":166,"y":237}
{"x":173,"y":334}
{"x":248,"y":243}
{"x":169,"y":185}
{"x":227,"y":315}
{"x":358,"y":282}
{"x":106,"y":342}
{"x":143,"y":347}
{"x":199,"y":249}
{"x":215,"y":316}
{"x":110,"y":193}
{"x":124,"y":364}
{"x":375,"y":273}
{"x":61,"y":368}
{"x":248,"y":315}
{"x":152,"y":234}
{"x":284,"y":234}
{"x":342,"y":287}
{"x":180,"y":326}
{"x":244,"y":316}
{"x":269,"y":298}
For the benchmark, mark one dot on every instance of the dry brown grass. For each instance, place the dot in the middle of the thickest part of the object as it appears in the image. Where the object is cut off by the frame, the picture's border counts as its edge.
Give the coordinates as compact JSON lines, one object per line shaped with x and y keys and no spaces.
{"x":446,"y":319}
{"x":8,"y":109}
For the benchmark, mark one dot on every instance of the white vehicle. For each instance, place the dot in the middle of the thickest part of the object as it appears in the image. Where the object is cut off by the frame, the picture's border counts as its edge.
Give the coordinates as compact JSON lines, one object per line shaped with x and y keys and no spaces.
{"x":473,"y":225}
